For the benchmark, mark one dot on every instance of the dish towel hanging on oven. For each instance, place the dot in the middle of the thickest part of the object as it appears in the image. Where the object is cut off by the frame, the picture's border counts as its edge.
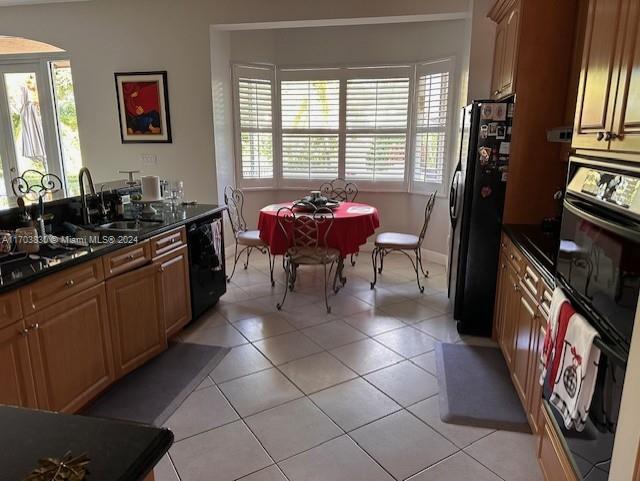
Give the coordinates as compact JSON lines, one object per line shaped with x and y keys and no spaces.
{"x":558,"y":300}
{"x":574,"y":369}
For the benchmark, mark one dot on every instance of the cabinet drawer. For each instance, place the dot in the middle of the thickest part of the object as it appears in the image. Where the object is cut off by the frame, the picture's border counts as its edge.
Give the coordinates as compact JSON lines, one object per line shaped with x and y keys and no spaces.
{"x":168,"y":241}
{"x":553,"y":460}
{"x":531,"y":280}
{"x":126,"y":259}
{"x":9,"y":308}
{"x":515,"y":258}
{"x":58,"y":286}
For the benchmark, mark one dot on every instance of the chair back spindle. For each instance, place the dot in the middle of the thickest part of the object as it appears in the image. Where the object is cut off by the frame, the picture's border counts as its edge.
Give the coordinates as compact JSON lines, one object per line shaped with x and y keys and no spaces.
{"x":340,"y":190}
{"x":427,"y":215}
{"x":234,"y":200}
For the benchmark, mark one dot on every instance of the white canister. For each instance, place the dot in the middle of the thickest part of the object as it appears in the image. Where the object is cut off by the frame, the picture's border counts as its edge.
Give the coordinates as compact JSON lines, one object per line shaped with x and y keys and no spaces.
{"x":151,"y":188}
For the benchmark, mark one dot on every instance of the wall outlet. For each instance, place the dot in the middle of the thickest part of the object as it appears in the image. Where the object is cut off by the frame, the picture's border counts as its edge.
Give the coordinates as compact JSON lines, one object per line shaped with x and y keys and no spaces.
{"x":149,"y":160}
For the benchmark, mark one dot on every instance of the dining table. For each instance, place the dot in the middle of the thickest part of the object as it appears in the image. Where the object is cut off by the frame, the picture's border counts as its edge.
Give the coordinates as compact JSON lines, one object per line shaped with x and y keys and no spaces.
{"x":353,"y":223}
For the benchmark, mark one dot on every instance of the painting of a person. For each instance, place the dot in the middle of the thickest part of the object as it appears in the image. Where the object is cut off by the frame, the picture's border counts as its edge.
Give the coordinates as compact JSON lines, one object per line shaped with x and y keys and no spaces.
{"x":142,"y":104}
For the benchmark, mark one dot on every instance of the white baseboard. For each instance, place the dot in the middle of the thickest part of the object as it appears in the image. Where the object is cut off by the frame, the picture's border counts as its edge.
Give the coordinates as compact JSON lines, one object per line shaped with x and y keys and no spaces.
{"x":427,"y":255}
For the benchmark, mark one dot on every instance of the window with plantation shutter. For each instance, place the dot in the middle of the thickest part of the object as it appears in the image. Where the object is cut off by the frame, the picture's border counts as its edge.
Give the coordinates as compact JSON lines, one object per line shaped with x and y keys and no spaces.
{"x":385,"y":127}
{"x":432,"y":123}
{"x":376,"y":128}
{"x":254,"y":112}
{"x":310,"y":128}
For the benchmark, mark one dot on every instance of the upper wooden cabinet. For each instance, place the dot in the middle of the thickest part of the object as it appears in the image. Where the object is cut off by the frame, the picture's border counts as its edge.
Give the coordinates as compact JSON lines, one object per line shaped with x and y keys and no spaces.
{"x":607,"y":111}
{"x":626,"y":119}
{"x":506,"y":13}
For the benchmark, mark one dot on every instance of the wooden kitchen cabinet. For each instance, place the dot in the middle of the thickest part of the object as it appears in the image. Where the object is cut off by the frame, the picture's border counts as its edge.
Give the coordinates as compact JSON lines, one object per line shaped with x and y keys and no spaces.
{"x":70,"y":347}
{"x":136,"y":318}
{"x":534,"y":412}
{"x":506,"y":13}
{"x":525,"y":317}
{"x":175,"y":294}
{"x":17,"y":386}
{"x":10,"y":310}
{"x":626,"y":122}
{"x":554,"y":461}
{"x":608,"y":107}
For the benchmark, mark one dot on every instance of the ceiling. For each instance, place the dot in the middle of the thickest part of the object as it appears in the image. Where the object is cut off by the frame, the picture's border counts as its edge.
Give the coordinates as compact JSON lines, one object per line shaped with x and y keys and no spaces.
{"x":11,"y":3}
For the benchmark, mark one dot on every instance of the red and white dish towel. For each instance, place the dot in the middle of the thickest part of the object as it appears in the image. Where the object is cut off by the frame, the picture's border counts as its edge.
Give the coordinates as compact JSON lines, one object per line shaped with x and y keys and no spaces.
{"x":569,"y":361}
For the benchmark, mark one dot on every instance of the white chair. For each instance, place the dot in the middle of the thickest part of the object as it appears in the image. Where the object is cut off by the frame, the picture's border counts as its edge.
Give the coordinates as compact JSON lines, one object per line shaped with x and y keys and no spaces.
{"x":388,"y":242}
{"x":246,"y":240}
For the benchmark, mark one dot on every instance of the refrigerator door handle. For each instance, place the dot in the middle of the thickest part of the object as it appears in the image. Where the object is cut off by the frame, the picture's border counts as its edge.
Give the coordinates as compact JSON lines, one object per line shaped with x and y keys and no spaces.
{"x":453,"y":196}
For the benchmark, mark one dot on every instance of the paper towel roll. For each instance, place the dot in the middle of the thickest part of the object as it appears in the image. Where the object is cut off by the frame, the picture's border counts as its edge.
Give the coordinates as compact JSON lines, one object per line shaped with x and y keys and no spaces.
{"x":151,"y":188}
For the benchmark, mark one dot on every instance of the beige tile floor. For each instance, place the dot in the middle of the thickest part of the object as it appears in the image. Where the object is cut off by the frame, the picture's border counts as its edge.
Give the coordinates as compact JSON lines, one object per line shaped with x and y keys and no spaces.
{"x":351,"y":396}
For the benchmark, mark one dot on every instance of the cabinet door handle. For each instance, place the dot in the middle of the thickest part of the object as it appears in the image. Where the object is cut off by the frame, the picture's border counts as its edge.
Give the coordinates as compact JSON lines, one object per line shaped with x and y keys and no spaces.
{"x":130,"y":257}
{"x":512,"y":257}
{"x":69,"y":283}
{"x":23,"y":332}
{"x":600,"y":136}
{"x":496,"y":92}
{"x":607,"y":136}
{"x":35,"y":327}
{"x":615,"y":136}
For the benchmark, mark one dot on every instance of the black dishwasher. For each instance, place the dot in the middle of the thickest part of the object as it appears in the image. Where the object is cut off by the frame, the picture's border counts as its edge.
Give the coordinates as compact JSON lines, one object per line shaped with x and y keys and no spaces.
{"x":206,"y":263}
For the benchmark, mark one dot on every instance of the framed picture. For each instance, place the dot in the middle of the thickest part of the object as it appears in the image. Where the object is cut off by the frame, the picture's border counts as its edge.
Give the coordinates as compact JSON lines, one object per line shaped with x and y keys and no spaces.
{"x":143,"y":107}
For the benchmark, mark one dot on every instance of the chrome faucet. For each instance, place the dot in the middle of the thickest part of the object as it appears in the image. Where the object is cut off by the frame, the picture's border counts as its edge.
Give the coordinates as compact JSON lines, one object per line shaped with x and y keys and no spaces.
{"x":83,"y":198}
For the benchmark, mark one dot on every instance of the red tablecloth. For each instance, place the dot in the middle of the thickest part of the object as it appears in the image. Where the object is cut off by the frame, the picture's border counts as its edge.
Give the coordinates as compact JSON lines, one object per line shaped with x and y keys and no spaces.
{"x":352,"y":225}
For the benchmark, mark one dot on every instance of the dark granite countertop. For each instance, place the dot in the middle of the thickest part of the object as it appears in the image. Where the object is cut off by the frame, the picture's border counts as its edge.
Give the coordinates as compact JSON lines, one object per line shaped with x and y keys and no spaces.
{"x":19,"y":269}
{"x":118,"y":451}
{"x":540,"y":247}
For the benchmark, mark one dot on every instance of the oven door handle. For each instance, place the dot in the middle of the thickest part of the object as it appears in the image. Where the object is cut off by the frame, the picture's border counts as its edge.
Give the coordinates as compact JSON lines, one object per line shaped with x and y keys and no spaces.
{"x":621,"y":230}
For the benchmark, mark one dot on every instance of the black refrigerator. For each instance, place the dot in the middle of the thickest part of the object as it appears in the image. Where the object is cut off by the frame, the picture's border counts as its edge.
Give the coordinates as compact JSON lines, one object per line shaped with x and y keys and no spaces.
{"x":476,"y":203}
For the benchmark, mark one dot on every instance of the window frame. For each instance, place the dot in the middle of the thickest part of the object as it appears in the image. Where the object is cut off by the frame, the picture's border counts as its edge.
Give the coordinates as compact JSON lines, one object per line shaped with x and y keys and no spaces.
{"x":258,"y":71}
{"x":344,"y":72}
{"x":41,"y":64}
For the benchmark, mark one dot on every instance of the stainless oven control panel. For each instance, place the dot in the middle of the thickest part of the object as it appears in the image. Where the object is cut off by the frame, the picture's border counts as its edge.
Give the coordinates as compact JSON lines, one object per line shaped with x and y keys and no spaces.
{"x":611,"y":188}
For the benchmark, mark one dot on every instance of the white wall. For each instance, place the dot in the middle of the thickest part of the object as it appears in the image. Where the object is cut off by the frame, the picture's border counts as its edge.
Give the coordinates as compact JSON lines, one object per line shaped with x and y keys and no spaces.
{"x":362,"y":44}
{"x":106,"y":36}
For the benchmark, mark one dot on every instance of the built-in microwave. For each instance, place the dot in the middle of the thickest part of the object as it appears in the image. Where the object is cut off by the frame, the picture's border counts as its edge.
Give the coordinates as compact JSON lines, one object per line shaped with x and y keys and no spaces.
{"x":598,"y":267}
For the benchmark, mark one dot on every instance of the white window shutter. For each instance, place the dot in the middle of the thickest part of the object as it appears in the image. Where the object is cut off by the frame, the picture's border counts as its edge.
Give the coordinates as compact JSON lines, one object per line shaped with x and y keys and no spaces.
{"x":376,"y":128}
{"x":254,"y":111}
{"x":432,"y":124}
{"x":310,"y":111}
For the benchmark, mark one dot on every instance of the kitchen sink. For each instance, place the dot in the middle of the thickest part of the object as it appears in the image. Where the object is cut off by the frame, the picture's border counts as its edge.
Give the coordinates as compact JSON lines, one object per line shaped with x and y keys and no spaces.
{"x":126,"y":225}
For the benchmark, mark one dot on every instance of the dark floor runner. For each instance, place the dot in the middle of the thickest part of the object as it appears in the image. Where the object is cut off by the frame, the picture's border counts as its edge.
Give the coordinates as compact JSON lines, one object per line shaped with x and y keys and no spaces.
{"x":476,"y":388}
{"x":151,"y":393}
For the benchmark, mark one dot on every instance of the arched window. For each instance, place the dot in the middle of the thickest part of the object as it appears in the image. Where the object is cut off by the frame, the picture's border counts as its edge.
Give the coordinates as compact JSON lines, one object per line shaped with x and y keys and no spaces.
{"x":38,"y":122}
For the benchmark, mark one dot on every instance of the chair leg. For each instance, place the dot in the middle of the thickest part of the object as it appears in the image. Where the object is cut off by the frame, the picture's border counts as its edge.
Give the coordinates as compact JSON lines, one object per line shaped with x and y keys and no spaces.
{"x":381,"y":254}
{"x":272,"y":264}
{"x":353,"y":260}
{"x":416,"y":268}
{"x":287,"y":271}
{"x":246,"y":263}
{"x":422,"y":269}
{"x":236,"y":258}
{"x":374,"y":262}
{"x":326,"y":297}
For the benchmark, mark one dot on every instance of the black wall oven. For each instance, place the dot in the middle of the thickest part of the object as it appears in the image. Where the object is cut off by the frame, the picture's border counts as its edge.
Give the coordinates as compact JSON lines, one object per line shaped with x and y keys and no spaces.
{"x":598,"y":268}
